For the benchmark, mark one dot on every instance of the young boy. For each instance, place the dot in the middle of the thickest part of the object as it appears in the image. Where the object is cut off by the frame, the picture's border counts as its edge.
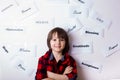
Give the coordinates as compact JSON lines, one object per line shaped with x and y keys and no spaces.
{"x":56,"y":63}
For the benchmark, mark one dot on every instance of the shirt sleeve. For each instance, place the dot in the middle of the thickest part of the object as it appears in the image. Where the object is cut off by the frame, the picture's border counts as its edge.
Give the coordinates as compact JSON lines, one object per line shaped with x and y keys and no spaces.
{"x":41,"y":72}
{"x":73,"y":74}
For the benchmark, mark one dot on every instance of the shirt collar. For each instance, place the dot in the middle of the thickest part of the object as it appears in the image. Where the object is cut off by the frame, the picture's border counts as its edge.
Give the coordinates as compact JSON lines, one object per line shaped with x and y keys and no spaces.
{"x":52,"y":57}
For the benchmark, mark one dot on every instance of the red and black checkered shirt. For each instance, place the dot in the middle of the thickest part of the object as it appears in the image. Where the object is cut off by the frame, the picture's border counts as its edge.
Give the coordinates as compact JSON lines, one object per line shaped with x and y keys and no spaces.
{"x":48,"y":63}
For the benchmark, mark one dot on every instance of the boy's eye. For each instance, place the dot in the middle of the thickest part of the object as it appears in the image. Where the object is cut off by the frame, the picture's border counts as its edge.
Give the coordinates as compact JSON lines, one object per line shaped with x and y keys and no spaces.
{"x":62,"y":39}
{"x":54,"y":39}
{"x":59,"y":39}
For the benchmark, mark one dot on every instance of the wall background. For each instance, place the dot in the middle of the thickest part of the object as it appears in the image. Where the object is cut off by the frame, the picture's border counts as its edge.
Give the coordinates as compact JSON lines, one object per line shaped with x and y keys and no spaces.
{"x":24,"y":25}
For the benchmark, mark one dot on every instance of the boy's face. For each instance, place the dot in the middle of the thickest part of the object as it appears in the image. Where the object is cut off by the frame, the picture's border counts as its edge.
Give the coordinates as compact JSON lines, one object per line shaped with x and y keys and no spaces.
{"x":57,"y":44}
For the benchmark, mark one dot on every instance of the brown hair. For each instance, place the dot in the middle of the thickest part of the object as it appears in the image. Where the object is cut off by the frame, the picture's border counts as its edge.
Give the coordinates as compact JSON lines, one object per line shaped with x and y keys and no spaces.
{"x":61,"y":34}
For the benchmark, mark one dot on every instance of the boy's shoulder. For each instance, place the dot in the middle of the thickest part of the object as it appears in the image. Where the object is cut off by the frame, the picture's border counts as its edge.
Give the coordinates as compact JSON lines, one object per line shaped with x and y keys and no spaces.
{"x":45,"y":56}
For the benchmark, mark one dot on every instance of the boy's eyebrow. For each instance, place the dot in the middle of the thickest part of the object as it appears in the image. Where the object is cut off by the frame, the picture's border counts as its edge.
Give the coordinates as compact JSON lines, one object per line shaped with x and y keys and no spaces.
{"x":62,"y":38}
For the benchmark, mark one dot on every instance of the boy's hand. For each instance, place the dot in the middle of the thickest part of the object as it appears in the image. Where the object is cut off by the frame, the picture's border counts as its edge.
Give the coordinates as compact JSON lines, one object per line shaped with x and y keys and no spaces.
{"x":68,"y":70}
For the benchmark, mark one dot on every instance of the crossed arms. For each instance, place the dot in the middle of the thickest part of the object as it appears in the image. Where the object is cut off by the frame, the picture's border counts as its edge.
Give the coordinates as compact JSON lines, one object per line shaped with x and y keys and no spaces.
{"x":54,"y":76}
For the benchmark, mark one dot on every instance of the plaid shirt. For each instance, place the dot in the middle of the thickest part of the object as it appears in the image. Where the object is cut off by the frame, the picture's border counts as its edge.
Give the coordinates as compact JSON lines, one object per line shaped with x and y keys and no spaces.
{"x":48,"y":63}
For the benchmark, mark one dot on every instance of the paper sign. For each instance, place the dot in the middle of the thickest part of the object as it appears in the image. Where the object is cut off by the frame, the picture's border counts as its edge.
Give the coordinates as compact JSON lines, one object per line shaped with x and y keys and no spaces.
{"x":6,"y":6}
{"x":91,"y":66}
{"x":111,"y":48}
{"x":87,"y":3}
{"x":43,"y":21}
{"x":69,"y":24}
{"x":23,"y":64}
{"x":12,"y":30}
{"x":105,"y":23}
{"x":26,"y":50}
{"x":90,"y":31}
{"x":78,"y":47}
{"x":7,"y":50}
{"x":26,"y":8}
{"x":8,"y":12}
{"x":17,"y":63}
{"x":78,"y":11}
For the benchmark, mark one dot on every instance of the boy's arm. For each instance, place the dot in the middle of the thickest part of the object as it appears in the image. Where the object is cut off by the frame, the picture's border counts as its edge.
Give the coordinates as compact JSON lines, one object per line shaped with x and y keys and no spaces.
{"x":48,"y":79}
{"x":57,"y":76}
{"x":63,"y":76}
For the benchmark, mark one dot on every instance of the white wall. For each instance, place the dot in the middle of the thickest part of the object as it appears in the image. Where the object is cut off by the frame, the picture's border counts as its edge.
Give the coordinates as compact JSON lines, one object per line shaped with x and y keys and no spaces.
{"x":24,"y":25}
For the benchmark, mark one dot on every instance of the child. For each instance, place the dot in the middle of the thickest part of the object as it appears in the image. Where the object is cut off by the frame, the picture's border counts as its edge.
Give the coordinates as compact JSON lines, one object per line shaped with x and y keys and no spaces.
{"x":56,"y":63}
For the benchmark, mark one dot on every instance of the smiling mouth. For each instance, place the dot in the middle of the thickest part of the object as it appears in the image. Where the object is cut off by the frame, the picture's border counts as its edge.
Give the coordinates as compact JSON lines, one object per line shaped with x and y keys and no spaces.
{"x":57,"y":46}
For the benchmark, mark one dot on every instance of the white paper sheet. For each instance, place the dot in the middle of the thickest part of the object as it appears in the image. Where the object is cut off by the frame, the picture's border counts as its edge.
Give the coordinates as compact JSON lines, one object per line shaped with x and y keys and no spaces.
{"x":27,"y":50}
{"x":26,"y":8}
{"x":24,"y":64}
{"x":110,"y":48}
{"x":43,"y":21}
{"x":69,"y":24}
{"x":99,"y":19}
{"x":86,"y":3}
{"x":12,"y":28}
{"x":80,"y":47}
{"x":78,"y":11}
{"x":7,"y":50}
{"x":93,"y":66}
{"x":8,"y":12}
{"x":91,"y":31}
{"x":20,"y":65}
